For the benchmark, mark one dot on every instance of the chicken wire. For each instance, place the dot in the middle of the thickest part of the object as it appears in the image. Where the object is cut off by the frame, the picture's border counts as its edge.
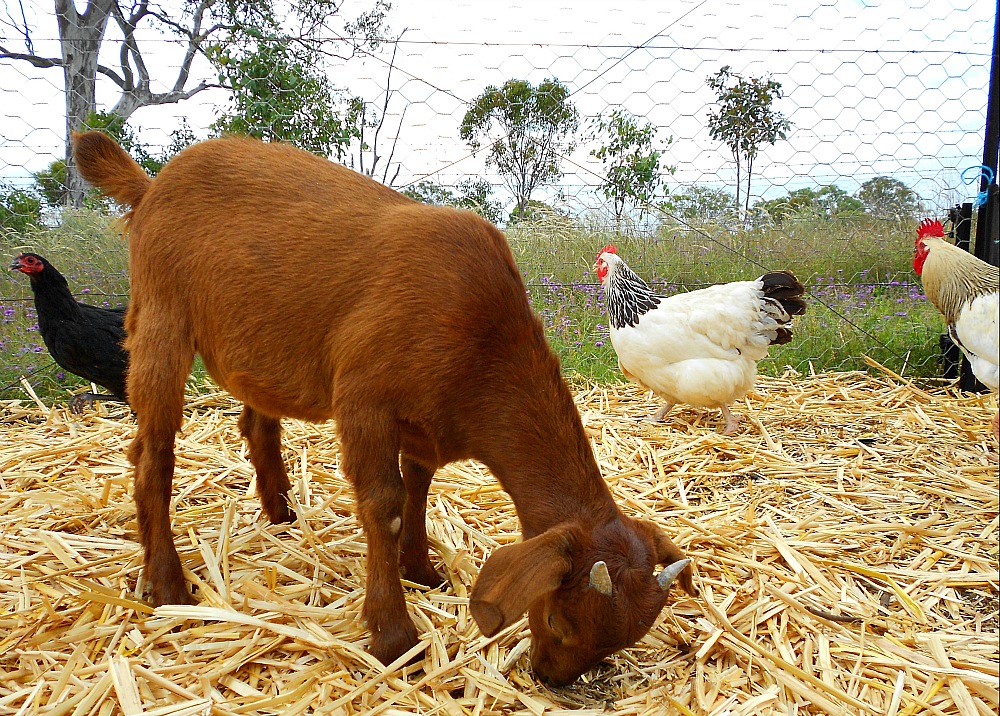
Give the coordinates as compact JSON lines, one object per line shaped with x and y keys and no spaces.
{"x":885,"y":91}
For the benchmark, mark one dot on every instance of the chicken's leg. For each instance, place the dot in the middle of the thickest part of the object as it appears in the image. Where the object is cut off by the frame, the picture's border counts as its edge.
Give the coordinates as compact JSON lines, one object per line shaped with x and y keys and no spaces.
{"x":732,"y":421}
{"x":660,"y":414}
{"x":81,"y":400}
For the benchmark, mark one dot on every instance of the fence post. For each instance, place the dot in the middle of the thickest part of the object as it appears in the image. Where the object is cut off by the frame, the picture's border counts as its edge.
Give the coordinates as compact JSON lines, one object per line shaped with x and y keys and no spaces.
{"x":988,"y":222}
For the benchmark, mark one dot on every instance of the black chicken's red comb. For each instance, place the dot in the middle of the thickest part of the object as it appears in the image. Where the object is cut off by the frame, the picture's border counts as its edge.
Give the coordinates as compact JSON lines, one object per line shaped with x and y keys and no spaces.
{"x":930,"y":228}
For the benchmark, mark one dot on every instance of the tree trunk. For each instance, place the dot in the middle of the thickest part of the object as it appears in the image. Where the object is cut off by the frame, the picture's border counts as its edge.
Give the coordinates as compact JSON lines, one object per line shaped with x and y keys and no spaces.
{"x":739,"y":185}
{"x":80,"y":37}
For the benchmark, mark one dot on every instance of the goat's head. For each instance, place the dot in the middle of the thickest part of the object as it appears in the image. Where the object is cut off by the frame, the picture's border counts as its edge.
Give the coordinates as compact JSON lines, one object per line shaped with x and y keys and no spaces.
{"x":587,"y":593}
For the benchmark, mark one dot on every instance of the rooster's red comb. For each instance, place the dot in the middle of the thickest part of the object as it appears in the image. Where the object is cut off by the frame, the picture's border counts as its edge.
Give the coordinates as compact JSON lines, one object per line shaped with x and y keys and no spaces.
{"x":930,"y":228}
{"x":609,"y":249}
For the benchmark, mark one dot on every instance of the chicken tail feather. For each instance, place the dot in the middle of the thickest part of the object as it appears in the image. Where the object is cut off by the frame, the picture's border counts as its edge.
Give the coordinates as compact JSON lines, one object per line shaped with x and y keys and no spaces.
{"x":102,"y":162}
{"x":783,"y":298}
{"x":782,"y":336}
{"x":783,"y":287}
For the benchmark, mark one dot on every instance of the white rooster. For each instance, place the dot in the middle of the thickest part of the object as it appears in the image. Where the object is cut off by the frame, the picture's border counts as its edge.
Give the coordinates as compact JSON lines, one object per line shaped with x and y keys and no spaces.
{"x":964,"y":289}
{"x":700,"y":348}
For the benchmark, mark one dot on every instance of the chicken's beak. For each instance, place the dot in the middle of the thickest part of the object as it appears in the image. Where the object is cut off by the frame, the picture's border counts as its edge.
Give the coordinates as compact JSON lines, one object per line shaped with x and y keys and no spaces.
{"x":15,"y":265}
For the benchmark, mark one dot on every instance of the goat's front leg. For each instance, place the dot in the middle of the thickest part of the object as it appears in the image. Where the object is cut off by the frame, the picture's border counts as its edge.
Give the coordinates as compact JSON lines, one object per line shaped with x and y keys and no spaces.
{"x":414,"y":558}
{"x":370,"y":447}
{"x":263,"y":436}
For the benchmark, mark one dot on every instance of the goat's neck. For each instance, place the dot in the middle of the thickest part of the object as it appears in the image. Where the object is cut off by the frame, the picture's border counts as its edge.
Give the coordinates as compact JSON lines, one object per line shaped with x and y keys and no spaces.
{"x":540,"y":454}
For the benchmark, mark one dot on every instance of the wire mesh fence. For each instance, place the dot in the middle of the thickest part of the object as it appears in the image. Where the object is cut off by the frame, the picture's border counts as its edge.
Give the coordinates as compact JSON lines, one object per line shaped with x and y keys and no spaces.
{"x":710,"y":140}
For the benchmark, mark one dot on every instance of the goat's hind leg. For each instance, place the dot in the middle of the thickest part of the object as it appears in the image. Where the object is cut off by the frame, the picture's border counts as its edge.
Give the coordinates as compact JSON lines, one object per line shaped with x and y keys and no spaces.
{"x":413,"y":557}
{"x":160,"y":358}
{"x":263,"y":436}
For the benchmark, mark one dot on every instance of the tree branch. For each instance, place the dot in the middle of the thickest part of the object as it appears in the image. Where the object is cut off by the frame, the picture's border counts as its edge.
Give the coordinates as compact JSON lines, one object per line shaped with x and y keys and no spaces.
{"x":136,"y":94}
{"x":31,"y":58}
{"x":21,"y":26}
{"x":385,"y":106}
{"x":388,"y":161}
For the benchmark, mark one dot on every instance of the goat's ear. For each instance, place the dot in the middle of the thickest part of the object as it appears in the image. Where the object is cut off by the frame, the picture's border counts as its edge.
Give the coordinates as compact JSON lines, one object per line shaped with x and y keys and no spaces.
{"x":668,"y":553}
{"x":513,"y":577}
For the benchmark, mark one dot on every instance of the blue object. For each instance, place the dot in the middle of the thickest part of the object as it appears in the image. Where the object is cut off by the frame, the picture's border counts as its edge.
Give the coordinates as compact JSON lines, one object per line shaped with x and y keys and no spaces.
{"x":984,"y":172}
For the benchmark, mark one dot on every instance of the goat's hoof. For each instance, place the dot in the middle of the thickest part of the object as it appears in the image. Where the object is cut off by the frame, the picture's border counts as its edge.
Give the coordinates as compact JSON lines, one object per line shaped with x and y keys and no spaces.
{"x":277,"y":510}
{"x":280,"y":516}
{"x":172,"y":595}
{"x":387,"y":646}
{"x":424,"y":575}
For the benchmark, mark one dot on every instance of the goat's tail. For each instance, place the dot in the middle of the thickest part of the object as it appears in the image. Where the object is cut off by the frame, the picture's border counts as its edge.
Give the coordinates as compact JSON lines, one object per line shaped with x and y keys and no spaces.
{"x":102,"y":162}
{"x":783,"y":298}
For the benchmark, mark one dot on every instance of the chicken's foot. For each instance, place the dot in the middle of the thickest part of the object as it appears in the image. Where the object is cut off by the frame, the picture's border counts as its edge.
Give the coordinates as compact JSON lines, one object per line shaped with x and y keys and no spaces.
{"x":86,"y":400}
{"x":732,"y":421}
{"x":660,"y":414}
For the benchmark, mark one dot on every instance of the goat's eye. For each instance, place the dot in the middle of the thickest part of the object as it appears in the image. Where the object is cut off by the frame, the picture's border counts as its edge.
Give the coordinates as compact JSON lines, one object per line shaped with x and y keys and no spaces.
{"x":558,"y":626}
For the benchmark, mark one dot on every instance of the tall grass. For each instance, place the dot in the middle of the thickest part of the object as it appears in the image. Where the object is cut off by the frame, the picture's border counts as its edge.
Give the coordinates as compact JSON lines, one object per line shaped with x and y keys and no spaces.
{"x":863,"y":296}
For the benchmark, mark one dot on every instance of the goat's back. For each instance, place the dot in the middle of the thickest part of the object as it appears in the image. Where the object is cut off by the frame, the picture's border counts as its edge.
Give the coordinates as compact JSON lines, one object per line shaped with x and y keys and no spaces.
{"x":293,"y":273}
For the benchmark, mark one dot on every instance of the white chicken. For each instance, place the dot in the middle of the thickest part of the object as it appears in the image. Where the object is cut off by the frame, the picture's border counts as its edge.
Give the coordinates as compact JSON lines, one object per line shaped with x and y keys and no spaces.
{"x":700,"y":348}
{"x":965,"y":289}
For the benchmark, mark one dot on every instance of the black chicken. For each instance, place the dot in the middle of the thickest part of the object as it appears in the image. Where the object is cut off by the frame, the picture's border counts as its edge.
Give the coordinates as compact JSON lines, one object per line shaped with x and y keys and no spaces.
{"x":85,"y":340}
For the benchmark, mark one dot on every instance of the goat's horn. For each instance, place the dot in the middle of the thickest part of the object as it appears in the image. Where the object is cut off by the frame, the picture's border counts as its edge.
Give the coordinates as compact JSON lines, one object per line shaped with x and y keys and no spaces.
{"x":600,"y":579}
{"x":669,"y":574}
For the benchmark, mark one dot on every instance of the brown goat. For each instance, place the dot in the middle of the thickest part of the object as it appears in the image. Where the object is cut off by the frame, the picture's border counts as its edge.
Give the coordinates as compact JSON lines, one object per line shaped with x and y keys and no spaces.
{"x":313,"y":292}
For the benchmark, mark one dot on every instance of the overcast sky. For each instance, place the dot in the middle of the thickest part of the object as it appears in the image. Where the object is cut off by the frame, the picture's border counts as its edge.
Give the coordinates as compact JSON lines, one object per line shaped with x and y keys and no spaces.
{"x":871,"y":88}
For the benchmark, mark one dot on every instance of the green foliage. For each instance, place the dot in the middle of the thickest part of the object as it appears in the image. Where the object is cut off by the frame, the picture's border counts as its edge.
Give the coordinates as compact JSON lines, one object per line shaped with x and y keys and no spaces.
{"x":538,"y":213}
{"x":632,"y":172}
{"x":888,"y":198}
{"x":477,"y":196}
{"x":427,"y":192}
{"x":118,"y":128}
{"x":19,"y":209}
{"x":526,"y":129}
{"x":279,"y":94}
{"x":830,"y":202}
{"x":880,"y":198}
{"x":366,"y":29}
{"x":180,"y":139}
{"x":51,"y":182}
{"x":701,"y":204}
{"x":474,"y":195}
{"x":744,"y":120}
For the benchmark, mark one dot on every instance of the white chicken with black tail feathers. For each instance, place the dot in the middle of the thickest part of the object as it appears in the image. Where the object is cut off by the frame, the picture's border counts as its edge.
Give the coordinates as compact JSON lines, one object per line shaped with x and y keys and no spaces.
{"x":701,"y":347}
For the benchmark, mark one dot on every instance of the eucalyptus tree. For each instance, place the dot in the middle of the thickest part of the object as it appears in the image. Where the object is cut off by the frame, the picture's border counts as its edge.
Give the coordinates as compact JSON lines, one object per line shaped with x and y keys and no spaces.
{"x":526,"y":130}
{"x":745,"y":119}
{"x":199,"y":27}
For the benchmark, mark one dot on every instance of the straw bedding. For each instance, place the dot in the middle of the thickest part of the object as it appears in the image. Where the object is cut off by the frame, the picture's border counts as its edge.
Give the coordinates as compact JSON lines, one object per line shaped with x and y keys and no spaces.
{"x":845,"y":544}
